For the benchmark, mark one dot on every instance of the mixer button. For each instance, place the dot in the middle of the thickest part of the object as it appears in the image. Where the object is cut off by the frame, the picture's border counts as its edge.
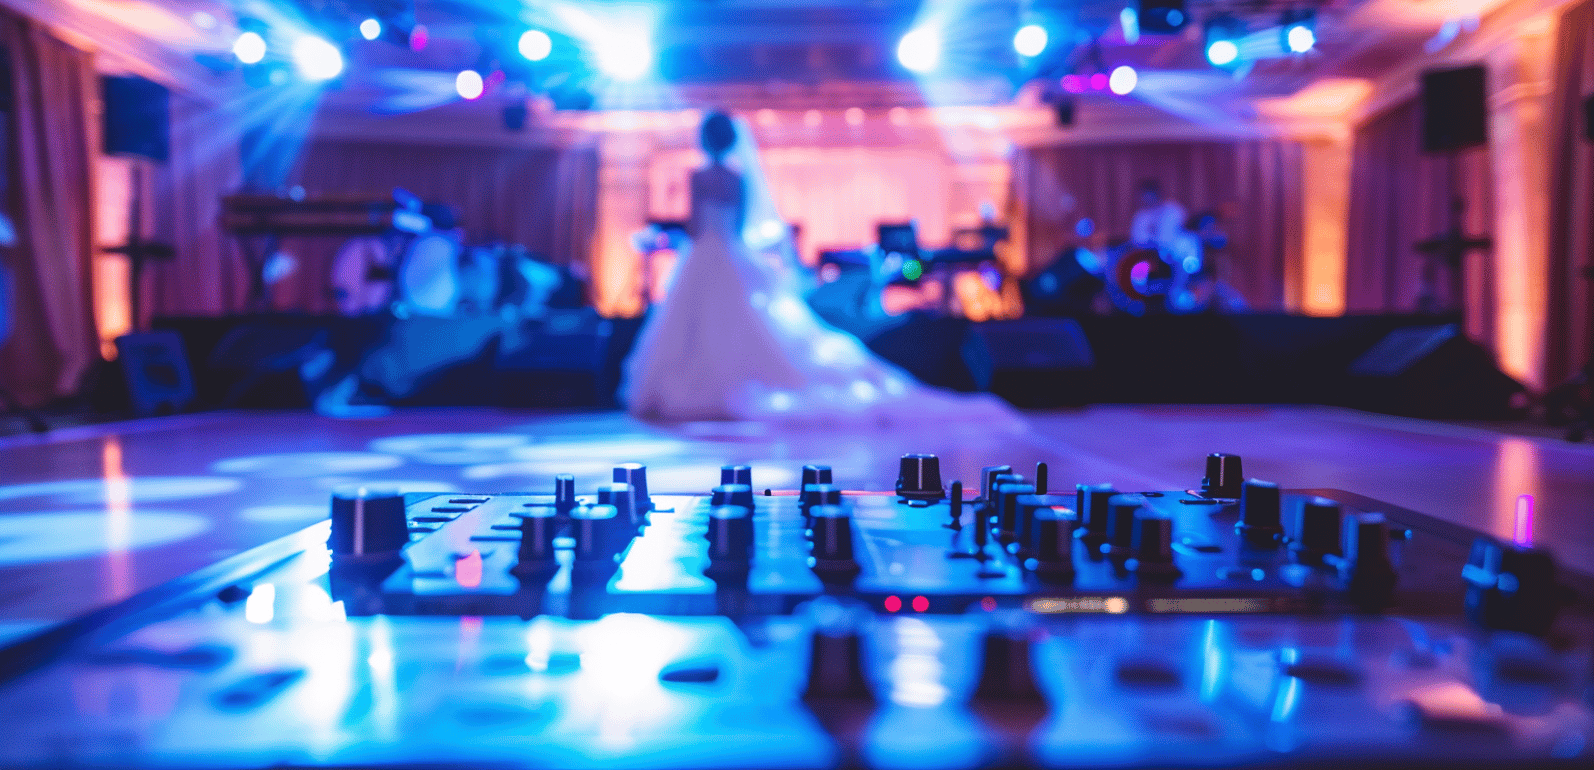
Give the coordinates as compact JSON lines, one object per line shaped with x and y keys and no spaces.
{"x":919,"y":478}
{"x":1224,"y":476}
{"x":736,"y":474}
{"x":635,"y":474}
{"x":600,"y":532}
{"x":1005,"y":499}
{"x":1153,"y":547}
{"x":730,"y":534}
{"x":623,"y":497}
{"x":818,"y":494}
{"x":1365,"y":568}
{"x":1090,"y":503}
{"x":1511,"y":587}
{"x":817,"y":474}
{"x":740,"y":495}
{"x":368,"y":522}
{"x":1054,"y":544}
{"x":1006,"y":670}
{"x":538,"y":527}
{"x":1122,"y":510}
{"x":1024,"y":520}
{"x":564,"y":493}
{"x":1260,"y":515}
{"x":988,"y":476}
{"x":833,"y":557}
{"x":1316,"y":532}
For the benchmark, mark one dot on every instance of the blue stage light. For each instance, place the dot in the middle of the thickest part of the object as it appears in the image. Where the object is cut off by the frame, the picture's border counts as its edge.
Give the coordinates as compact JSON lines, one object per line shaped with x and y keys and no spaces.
{"x":625,"y":57}
{"x":920,"y":50}
{"x":1030,"y":40}
{"x":1222,"y":52}
{"x":535,"y":45}
{"x":468,"y":84}
{"x":1223,"y":40}
{"x":1299,"y":32}
{"x":250,"y":48}
{"x":370,"y":29}
{"x":316,"y":59}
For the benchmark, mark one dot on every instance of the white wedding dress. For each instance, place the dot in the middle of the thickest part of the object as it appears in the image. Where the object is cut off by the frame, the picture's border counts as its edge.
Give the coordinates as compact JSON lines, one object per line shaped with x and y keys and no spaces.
{"x":734,"y":340}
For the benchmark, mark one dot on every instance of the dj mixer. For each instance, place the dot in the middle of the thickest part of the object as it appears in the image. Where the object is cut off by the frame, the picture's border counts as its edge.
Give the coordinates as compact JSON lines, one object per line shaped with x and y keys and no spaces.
{"x":1006,"y":622}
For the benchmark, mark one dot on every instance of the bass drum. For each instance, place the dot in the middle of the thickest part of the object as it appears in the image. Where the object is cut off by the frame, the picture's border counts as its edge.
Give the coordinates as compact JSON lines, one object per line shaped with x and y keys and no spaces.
{"x":429,"y":276}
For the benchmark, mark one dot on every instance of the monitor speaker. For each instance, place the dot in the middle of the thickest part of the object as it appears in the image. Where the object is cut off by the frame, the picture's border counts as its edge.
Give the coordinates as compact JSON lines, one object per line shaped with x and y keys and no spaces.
{"x":1455,"y":109}
{"x":137,"y":117}
{"x":1040,"y":362}
{"x":1433,"y":372}
{"x":156,"y":371}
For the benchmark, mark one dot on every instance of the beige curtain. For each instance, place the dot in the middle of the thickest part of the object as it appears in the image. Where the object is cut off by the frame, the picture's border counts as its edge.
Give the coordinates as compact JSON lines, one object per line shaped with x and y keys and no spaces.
{"x":1256,"y":184}
{"x":1570,"y":323}
{"x":52,"y":138}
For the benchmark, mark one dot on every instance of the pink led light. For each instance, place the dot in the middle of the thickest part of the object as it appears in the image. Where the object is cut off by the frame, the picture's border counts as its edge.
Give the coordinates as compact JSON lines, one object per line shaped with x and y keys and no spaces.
{"x":1073,"y":84}
{"x":921,"y":604}
{"x":893,"y":604}
{"x":1522,"y":532}
{"x":1098,"y":81}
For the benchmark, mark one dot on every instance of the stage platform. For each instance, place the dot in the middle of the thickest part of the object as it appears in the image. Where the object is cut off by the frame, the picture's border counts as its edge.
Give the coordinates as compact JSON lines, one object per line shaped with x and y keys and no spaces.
{"x":97,"y":513}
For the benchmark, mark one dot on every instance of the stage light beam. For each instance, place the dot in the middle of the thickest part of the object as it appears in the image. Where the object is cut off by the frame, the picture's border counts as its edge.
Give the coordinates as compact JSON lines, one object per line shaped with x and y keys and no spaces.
{"x":468,"y":84}
{"x":316,"y":59}
{"x":1299,"y":38}
{"x":1222,"y":52}
{"x":370,"y":29}
{"x":919,"y":50}
{"x":625,"y":57}
{"x":1123,"y":80}
{"x":1030,"y":40}
{"x":535,"y":45}
{"x":250,"y":48}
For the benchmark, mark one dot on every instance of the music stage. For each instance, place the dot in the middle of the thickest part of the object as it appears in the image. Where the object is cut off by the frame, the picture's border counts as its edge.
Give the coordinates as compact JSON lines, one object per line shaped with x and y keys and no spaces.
{"x":92,"y":514}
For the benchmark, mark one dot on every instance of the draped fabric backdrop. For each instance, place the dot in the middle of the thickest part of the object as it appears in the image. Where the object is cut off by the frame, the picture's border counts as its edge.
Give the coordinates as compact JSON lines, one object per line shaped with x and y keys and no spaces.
{"x":1570,"y":325}
{"x":49,"y":169}
{"x":207,"y":276}
{"x":1257,"y":184}
{"x":1400,"y":196}
{"x":543,"y":197}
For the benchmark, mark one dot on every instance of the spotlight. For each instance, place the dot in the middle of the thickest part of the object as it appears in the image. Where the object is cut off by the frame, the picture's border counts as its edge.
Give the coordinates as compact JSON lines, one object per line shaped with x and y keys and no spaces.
{"x":1299,"y":32}
{"x":535,"y":45}
{"x":316,"y":59}
{"x":370,"y":29}
{"x":919,"y":50}
{"x":1030,"y":40}
{"x":250,"y":48}
{"x":625,"y":57}
{"x":1123,"y":80}
{"x":468,"y":84}
{"x":1223,"y":41}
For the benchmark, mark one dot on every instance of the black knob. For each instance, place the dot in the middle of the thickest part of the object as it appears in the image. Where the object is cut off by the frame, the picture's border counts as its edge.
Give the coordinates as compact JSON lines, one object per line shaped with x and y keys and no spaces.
{"x":635,"y":474}
{"x":1153,"y":546}
{"x":919,"y":477}
{"x":1054,"y":544}
{"x":835,"y":660}
{"x":1090,"y":504}
{"x":623,"y":497}
{"x":1024,"y":521}
{"x":1511,"y":587}
{"x":1260,"y":515}
{"x":1006,"y":502}
{"x":564,"y":493}
{"x":368,"y":521}
{"x":730,"y":534}
{"x":955,"y":506}
{"x":988,"y":476}
{"x":1006,"y":671}
{"x":1122,"y":510}
{"x":538,"y":527}
{"x":832,"y":549}
{"x":1369,"y":576}
{"x":740,"y":495}
{"x":818,"y":494}
{"x":817,"y":474}
{"x":1042,"y":476}
{"x":1317,"y":531}
{"x":1224,"y":477}
{"x":599,"y":531}
{"x":736,"y":474}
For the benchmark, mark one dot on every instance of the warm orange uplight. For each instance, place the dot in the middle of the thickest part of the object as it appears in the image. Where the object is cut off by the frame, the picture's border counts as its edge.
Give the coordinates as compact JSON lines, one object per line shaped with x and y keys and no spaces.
{"x":118,"y":520}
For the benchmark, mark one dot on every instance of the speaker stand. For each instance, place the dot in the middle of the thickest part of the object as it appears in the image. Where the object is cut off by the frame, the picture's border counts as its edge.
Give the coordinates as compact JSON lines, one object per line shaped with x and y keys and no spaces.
{"x":139,"y":252}
{"x":1447,"y":252}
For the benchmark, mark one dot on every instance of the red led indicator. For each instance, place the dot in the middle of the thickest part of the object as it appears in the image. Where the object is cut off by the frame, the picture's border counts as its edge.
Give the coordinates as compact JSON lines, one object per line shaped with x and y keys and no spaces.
{"x":920,"y":604}
{"x":893,"y":604}
{"x":988,"y":604}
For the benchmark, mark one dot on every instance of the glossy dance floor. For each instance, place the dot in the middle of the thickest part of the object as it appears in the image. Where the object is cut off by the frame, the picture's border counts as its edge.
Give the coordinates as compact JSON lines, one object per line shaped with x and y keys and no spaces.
{"x":91,"y":515}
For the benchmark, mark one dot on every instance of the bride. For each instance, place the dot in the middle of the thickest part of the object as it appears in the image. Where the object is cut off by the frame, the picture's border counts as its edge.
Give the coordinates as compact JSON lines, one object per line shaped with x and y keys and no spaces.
{"x":734,"y":340}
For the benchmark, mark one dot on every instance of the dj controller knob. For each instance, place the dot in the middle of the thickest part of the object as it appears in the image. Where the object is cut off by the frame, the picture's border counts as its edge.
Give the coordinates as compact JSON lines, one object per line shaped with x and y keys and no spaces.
{"x":1317,"y":531}
{"x":835,"y":661}
{"x":919,"y":478}
{"x":599,"y":531}
{"x":817,"y":474}
{"x":818,"y":494}
{"x":368,"y":522}
{"x":1024,"y":521}
{"x":736,"y":474}
{"x":623,"y":497}
{"x":538,"y":527}
{"x":1054,"y":544}
{"x":988,"y":476}
{"x":954,"y":507}
{"x":1368,"y":574}
{"x":1006,"y":503}
{"x":1511,"y":587}
{"x":1006,"y":670}
{"x":1261,"y":518}
{"x":730,"y":535}
{"x":564,"y":493}
{"x":1122,"y":512}
{"x":1153,"y":561}
{"x":1224,"y":477}
{"x":1091,"y":505}
{"x":833,"y":558}
{"x":635,"y":474}
{"x":739,"y":495}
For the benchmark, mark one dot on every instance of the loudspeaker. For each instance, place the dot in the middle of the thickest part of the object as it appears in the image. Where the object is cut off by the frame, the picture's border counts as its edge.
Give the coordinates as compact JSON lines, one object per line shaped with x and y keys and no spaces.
{"x":1588,"y":118}
{"x":137,"y":117}
{"x":1162,"y":17}
{"x":1039,"y":362}
{"x":1063,"y":112}
{"x":1455,"y":109}
{"x":562,"y":360}
{"x":936,"y":350}
{"x":1432,"y":372}
{"x":156,"y":370}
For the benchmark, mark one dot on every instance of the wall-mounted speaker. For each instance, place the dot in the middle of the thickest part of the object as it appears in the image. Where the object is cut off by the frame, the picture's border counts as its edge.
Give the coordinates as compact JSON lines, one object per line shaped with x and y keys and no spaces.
{"x":1455,"y":109}
{"x":137,"y":117}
